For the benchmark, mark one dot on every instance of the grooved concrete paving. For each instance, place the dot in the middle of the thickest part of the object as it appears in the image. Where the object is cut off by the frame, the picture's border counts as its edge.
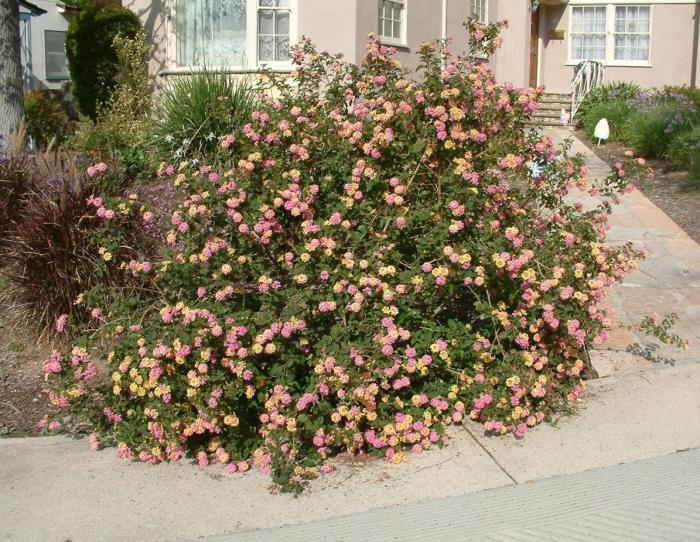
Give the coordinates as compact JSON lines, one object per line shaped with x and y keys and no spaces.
{"x":655,"y":499}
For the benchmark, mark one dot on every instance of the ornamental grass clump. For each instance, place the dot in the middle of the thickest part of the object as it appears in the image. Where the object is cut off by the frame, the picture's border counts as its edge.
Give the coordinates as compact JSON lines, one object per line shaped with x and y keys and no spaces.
{"x":377,"y":263}
{"x":63,"y":246}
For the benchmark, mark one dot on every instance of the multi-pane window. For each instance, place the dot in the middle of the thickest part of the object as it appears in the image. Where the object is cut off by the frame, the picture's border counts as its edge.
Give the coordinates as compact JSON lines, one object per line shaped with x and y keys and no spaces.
{"x":611,"y":33}
{"x":211,"y":32}
{"x":588,"y":33}
{"x":55,"y":50}
{"x":232,"y":33}
{"x":479,"y":12}
{"x":273,"y":30}
{"x":391,"y":19}
{"x":632,"y":32}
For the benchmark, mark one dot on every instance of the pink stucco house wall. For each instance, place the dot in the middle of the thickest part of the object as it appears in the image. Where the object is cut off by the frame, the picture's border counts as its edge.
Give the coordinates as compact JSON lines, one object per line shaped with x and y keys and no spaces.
{"x":653,"y":43}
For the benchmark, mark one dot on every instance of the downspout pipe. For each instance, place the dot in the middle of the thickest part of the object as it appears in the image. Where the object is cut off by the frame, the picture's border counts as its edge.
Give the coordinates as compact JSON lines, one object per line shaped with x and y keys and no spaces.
{"x":444,"y":25}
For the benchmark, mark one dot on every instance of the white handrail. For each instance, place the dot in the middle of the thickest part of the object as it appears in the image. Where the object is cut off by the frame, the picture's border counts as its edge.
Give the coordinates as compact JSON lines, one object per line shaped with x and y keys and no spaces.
{"x":588,"y":75}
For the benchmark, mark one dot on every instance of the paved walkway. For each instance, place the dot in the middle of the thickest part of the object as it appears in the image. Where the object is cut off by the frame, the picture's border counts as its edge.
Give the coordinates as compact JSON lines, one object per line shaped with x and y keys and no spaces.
{"x":668,"y":280}
{"x":656,"y":500}
{"x":647,"y":406}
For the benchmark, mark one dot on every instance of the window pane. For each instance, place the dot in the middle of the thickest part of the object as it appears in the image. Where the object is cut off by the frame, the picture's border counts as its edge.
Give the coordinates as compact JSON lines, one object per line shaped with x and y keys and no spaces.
{"x":211,"y":32}
{"x":397,"y":30}
{"x":55,"y":57}
{"x":282,"y":23}
{"x":266,"y":21}
{"x":281,"y":48}
{"x":266,"y":48}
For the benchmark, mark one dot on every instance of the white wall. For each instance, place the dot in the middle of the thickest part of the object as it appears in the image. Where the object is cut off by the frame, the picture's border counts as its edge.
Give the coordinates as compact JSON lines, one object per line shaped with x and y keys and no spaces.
{"x":51,"y":20}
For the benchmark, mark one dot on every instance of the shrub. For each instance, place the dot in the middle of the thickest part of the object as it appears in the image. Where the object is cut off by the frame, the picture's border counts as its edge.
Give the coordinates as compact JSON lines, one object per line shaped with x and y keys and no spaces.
{"x":375,"y":263}
{"x":44,"y":117}
{"x":609,"y":92}
{"x":683,"y":93}
{"x":61,"y":249}
{"x":617,"y":113}
{"x":649,"y":132}
{"x":683,"y":147}
{"x":195,"y":109}
{"x":92,"y":57}
{"x":132,"y":96}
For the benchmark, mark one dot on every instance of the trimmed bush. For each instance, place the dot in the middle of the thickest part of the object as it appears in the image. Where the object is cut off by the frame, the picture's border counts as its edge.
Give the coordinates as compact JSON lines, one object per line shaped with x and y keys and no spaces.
{"x":45,"y":117}
{"x":374,"y":263}
{"x":195,"y":109}
{"x":92,"y":57}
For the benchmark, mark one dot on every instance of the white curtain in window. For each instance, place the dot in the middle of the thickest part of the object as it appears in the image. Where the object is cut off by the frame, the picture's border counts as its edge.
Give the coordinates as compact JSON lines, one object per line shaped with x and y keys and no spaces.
{"x":391,"y":18}
{"x":632,"y":27}
{"x":211,"y":32}
{"x":588,"y":33}
{"x":273,"y":30}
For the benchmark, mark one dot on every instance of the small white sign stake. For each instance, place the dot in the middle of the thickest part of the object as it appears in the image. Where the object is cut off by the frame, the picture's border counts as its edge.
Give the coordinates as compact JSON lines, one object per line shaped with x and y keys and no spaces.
{"x":602,"y":130}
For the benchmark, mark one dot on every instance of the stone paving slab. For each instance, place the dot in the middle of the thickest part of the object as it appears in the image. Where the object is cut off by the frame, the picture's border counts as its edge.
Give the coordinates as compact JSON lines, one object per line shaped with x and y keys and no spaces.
{"x":655,"y":499}
{"x":668,"y":280}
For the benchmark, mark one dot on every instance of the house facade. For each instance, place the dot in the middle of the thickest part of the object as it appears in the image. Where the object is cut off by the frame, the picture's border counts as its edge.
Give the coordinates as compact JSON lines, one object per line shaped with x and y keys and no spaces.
{"x":43,"y":26}
{"x":652,"y":43}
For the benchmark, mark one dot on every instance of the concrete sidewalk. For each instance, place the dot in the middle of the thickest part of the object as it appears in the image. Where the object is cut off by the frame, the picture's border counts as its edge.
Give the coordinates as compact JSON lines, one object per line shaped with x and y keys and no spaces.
{"x":656,"y":499}
{"x":54,"y":488}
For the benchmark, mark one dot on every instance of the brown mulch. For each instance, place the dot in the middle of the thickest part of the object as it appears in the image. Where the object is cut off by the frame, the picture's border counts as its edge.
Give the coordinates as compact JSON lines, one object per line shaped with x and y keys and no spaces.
{"x":670,"y":190}
{"x":22,"y":403}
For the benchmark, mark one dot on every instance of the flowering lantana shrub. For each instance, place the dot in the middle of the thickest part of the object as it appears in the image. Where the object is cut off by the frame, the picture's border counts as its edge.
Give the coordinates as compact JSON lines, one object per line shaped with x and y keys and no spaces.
{"x":380,"y":262}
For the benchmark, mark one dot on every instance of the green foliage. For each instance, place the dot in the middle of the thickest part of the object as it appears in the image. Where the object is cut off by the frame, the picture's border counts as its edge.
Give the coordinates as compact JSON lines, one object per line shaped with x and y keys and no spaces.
{"x":649,"y":132}
{"x":609,"y":92}
{"x":125,"y":146}
{"x":92,"y":57}
{"x":45,"y":117}
{"x":132,"y":96}
{"x":616,"y":111}
{"x":195,"y":109}
{"x":690,"y":95}
{"x":683,"y":148}
{"x":373,"y":262}
{"x":121,"y":136}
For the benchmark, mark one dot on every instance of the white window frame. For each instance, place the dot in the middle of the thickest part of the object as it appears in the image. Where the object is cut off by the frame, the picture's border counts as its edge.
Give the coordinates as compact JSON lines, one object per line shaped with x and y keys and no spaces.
{"x":610,"y":33}
{"x":403,"y":40}
{"x":251,"y":62}
{"x":485,"y":4}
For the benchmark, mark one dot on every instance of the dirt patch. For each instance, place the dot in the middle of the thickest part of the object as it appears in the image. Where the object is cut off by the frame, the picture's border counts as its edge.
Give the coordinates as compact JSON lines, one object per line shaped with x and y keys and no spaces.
{"x":670,"y":190}
{"x":22,"y":403}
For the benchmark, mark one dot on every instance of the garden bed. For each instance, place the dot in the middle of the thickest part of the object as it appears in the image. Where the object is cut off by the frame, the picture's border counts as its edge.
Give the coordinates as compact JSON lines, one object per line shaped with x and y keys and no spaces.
{"x":670,"y":190}
{"x":22,"y":403}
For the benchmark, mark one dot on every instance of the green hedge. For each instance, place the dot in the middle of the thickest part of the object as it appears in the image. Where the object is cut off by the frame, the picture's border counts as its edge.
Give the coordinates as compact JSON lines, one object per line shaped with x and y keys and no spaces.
{"x":92,"y":58}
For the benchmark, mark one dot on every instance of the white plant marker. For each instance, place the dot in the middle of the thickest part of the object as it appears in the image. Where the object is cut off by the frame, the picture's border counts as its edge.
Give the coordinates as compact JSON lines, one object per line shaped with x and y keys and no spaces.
{"x":602,"y":130}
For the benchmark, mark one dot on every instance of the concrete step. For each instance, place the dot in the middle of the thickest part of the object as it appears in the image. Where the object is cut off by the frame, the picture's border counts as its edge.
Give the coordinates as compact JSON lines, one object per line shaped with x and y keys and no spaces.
{"x":555,"y":97}
{"x":553,"y":106}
